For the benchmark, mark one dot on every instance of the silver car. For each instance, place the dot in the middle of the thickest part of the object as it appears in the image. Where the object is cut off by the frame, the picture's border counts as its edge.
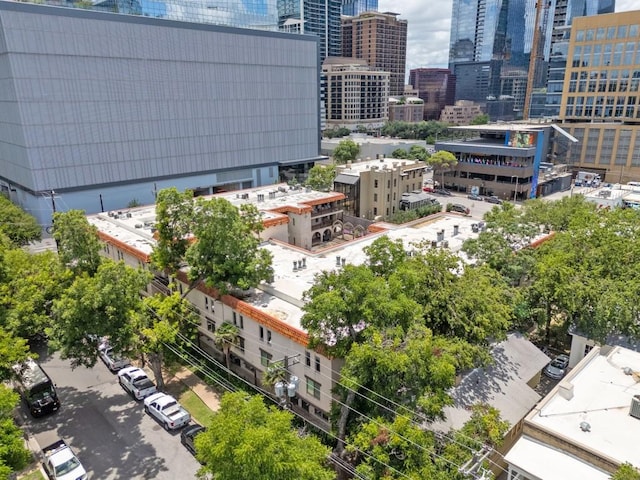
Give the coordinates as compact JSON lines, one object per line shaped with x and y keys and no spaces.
{"x":557,"y":368}
{"x":113,"y":361}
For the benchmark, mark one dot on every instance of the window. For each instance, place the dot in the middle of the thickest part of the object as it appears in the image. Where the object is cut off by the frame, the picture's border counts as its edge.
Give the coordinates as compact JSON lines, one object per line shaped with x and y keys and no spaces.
{"x":375,"y":197}
{"x":241,"y":321}
{"x":307,"y":359}
{"x":211,"y":325}
{"x":268,"y":336}
{"x":261,"y":333}
{"x":241,"y":344}
{"x":313,"y":388}
{"x":317,"y":364}
{"x":235,"y":319}
{"x":375,"y":184}
{"x":587,"y":349}
{"x":265,"y":358}
{"x":206,"y":303}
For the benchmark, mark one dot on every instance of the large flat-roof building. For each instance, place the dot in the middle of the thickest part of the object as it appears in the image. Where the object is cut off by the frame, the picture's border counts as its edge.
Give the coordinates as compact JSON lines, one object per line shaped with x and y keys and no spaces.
{"x":100,"y":110}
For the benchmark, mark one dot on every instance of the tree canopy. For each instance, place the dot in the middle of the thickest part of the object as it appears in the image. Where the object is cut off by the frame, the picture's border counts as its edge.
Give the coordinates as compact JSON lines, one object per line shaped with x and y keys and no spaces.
{"x":77,"y":240}
{"x":321,"y":177}
{"x":347,"y":150}
{"x":19,"y":226}
{"x":264,"y":444}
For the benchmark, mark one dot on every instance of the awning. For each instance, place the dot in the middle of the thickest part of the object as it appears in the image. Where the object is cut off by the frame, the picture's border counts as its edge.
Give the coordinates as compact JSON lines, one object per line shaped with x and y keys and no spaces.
{"x":348,"y":179}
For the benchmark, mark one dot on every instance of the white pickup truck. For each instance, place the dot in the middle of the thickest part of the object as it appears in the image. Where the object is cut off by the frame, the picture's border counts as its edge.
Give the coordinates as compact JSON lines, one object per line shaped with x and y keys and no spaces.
{"x":60,"y":463}
{"x":167,"y":411}
{"x":136,"y":382}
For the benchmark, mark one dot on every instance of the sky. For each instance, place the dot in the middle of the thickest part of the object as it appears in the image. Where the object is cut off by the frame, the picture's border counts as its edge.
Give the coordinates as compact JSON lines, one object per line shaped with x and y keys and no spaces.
{"x":429,"y":22}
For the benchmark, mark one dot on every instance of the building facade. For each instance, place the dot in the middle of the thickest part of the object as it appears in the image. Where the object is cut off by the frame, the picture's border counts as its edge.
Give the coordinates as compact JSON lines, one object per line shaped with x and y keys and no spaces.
{"x":373,"y":189}
{"x":436,"y":86}
{"x":502,"y":160}
{"x":381,"y":40}
{"x":321,"y":18}
{"x":353,"y":8}
{"x":356,"y":95}
{"x":406,"y":109}
{"x":87,"y":124}
{"x":462,"y":113}
{"x":600,"y":105}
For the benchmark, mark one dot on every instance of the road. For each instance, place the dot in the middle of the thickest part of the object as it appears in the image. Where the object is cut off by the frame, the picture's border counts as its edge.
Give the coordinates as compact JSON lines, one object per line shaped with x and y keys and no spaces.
{"x":111,"y":434}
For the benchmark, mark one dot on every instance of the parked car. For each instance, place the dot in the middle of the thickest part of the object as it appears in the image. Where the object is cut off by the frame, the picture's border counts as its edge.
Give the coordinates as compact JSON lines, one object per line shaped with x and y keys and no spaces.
{"x":166,"y":410}
{"x":428,"y":188}
{"x":135,"y":381}
{"x":60,"y":463}
{"x":557,"y":368}
{"x":473,"y":196}
{"x":113,"y":361}
{"x":493,"y":199}
{"x":36,"y":388}
{"x":188,"y":436}
{"x":442,"y":191}
{"x":458,"y":207}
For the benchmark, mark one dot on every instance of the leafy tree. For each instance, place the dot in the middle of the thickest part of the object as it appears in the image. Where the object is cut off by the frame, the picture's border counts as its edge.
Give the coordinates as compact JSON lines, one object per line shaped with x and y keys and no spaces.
{"x":224,"y":338}
{"x":400,"y":153}
{"x":35,"y":280}
{"x":321,"y":177}
{"x":481,"y":119}
{"x":626,"y":471}
{"x":345,"y":151}
{"x":385,"y":255}
{"x":77,"y":240}
{"x":102,"y":305}
{"x":418,"y":152}
{"x":442,"y":161}
{"x":174,"y":219}
{"x":263,"y":444}
{"x":13,"y":454}
{"x":160,"y":320}
{"x":226,"y":251}
{"x":20,"y":227}
{"x":336,"y":132}
{"x":12,"y":350}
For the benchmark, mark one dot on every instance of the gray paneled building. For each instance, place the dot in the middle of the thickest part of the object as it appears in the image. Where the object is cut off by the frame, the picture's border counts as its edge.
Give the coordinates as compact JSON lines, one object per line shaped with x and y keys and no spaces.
{"x":98,"y":110}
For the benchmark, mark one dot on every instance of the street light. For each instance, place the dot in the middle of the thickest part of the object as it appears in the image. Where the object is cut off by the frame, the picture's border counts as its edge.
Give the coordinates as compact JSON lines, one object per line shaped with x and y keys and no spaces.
{"x":515,"y":193}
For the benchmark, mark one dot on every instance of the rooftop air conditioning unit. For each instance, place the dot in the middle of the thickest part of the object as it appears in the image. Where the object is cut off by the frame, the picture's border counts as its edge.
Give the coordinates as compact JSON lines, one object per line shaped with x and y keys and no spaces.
{"x":634,"y":411}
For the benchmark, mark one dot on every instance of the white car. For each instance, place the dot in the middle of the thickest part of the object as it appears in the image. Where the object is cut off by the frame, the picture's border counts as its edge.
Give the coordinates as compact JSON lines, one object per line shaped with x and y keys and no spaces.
{"x":167,"y":411}
{"x":113,"y":361}
{"x":135,"y":381}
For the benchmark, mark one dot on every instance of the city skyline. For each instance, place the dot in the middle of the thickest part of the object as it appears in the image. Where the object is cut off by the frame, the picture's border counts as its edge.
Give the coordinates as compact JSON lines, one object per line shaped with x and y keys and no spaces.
{"x":429,"y":27}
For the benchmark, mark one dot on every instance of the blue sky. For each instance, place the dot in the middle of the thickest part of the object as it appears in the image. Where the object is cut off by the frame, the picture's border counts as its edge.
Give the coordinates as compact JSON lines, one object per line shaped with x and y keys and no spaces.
{"x":429,"y":24}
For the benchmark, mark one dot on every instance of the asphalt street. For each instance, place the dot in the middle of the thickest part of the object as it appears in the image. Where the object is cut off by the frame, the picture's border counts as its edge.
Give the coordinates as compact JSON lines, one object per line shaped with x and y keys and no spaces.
{"x":109,"y":431}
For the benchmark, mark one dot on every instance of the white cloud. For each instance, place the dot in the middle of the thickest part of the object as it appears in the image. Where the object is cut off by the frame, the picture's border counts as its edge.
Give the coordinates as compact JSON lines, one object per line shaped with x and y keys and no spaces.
{"x":429,"y":23}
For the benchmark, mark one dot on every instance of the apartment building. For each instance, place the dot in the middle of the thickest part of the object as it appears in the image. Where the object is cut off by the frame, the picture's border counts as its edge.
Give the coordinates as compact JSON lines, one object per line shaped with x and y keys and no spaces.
{"x":381,"y":40}
{"x":355,"y":94}
{"x":373,"y":188}
{"x":406,"y":109}
{"x":600,"y":99}
{"x":462,"y":113}
{"x":268,"y":317}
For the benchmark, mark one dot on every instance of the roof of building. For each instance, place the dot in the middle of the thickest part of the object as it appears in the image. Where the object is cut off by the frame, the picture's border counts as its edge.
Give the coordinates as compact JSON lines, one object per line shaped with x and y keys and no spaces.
{"x":548,"y":463}
{"x":601,"y":396}
{"x":356,"y":168}
{"x":502,"y":385}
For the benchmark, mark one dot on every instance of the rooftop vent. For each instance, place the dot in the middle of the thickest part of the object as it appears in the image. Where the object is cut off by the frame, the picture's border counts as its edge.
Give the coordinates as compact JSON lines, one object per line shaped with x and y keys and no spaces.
{"x":634,"y":411}
{"x":585,"y":426}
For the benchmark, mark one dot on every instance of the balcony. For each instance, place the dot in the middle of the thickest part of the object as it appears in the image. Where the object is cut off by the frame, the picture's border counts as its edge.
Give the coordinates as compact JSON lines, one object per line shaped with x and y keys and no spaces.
{"x":321,"y":210}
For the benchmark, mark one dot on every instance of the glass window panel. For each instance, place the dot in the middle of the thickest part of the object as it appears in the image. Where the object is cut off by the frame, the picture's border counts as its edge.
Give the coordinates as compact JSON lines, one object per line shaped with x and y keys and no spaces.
{"x":611,"y":33}
{"x":600,"y":33}
{"x":622,"y":31}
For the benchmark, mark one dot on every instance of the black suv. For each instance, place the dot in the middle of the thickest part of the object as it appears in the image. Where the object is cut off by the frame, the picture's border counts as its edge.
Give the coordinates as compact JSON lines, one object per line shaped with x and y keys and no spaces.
{"x":188,"y":435}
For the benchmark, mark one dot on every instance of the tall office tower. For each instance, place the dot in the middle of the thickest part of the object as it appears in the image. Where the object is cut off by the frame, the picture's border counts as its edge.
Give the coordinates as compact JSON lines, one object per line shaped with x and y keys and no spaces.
{"x":256,"y":14}
{"x":600,"y":101}
{"x":353,"y":8}
{"x":381,"y":40}
{"x":436,"y":87}
{"x":489,"y":35}
{"x":321,"y":18}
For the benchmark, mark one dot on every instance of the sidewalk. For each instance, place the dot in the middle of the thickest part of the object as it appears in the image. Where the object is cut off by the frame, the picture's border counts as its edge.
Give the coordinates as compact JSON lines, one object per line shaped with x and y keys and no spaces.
{"x":209,"y":396}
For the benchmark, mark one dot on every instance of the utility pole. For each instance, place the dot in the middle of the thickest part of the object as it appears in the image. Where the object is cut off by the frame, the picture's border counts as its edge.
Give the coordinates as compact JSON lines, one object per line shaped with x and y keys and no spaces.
{"x":287,"y":387}
{"x":473,"y":468}
{"x":52,"y":193}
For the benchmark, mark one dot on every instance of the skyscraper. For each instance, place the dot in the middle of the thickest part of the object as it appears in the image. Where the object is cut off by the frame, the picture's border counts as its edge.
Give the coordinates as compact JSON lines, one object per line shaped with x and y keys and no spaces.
{"x":321,"y":18}
{"x":436,"y":87}
{"x":381,"y":40}
{"x":354,"y":8}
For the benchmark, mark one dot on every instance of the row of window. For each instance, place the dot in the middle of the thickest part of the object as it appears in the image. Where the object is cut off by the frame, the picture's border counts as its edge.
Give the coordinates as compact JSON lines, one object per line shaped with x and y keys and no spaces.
{"x":609,"y":33}
{"x":606,"y":55}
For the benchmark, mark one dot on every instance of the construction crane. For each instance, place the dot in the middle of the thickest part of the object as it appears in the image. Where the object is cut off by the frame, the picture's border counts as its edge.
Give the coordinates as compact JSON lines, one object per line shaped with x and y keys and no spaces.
{"x":537,"y":51}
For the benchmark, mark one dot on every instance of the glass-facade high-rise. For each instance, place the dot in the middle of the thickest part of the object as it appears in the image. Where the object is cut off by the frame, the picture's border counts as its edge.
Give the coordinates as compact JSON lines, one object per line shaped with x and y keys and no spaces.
{"x":321,"y":18}
{"x":354,"y":8}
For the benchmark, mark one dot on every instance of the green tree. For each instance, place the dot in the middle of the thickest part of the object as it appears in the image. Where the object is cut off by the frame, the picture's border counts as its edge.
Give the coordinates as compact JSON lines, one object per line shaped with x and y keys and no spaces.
{"x":481,"y":119}
{"x":321,"y":177}
{"x":442,"y":161}
{"x":345,"y":151}
{"x":78,"y":243}
{"x":400,"y":153}
{"x":13,"y":454}
{"x":20,"y":227}
{"x":103,"y":305}
{"x":626,"y":471}
{"x":174,"y":220}
{"x":224,"y":338}
{"x":263,"y":444}
{"x":12,"y":350}
{"x":226,"y":251}
{"x":418,"y":152}
{"x":160,"y":320}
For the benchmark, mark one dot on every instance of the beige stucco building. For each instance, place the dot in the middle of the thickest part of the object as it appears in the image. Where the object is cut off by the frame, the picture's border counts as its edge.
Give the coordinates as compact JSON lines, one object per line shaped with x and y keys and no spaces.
{"x":461,"y":113}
